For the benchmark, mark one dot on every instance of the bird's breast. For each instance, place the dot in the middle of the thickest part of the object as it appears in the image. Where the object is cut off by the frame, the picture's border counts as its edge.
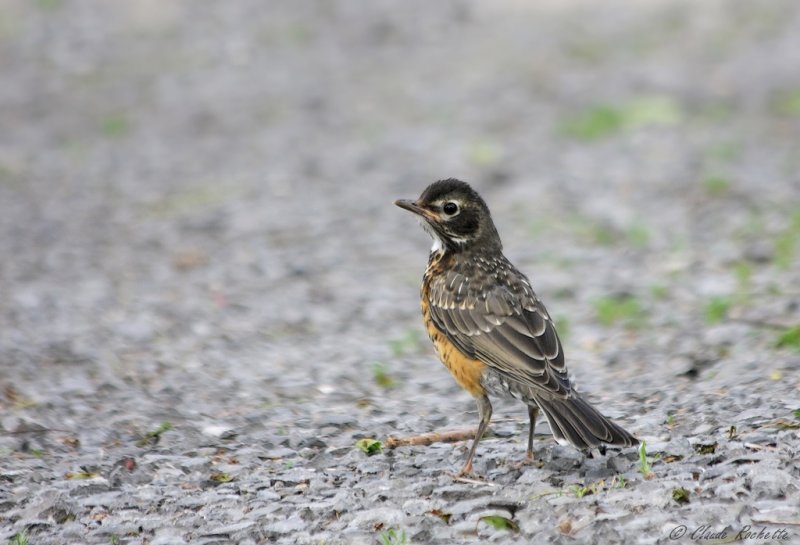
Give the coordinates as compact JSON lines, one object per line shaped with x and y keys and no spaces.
{"x":468,"y":372}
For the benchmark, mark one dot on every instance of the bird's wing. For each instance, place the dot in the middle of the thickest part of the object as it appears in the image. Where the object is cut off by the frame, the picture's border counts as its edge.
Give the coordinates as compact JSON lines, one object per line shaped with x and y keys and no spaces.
{"x":504,"y":325}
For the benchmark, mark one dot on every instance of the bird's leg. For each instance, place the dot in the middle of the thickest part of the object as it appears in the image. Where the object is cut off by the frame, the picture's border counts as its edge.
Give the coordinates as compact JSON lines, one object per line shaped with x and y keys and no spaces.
{"x":533,"y":412}
{"x":485,"y":414}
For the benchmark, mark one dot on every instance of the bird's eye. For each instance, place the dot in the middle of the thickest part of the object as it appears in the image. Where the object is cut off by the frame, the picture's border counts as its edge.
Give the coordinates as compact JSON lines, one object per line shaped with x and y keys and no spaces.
{"x":450,"y":208}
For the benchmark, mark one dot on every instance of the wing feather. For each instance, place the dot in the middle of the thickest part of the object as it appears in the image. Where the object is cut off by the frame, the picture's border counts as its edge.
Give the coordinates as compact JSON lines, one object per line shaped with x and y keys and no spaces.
{"x":504,"y":325}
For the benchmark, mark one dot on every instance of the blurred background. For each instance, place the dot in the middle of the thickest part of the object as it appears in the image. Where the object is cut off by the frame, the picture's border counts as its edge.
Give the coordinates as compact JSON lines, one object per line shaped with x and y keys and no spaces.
{"x":196,"y":220}
{"x":195,"y":197}
{"x":207,"y":187}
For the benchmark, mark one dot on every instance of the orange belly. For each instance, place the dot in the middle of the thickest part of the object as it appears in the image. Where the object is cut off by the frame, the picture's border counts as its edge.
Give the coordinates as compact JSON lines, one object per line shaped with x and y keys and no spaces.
{"x":467,"y":371}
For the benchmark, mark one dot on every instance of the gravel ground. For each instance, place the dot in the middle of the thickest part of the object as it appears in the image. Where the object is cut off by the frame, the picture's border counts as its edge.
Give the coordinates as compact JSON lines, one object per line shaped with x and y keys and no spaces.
{"x":207,"y":298}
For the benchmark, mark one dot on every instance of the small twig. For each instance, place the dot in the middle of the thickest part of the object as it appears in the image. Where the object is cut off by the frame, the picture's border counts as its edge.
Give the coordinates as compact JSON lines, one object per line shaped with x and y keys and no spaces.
{"x":756,"y":446}
{"x":473,"y":481}
{"x":546,"y":493}
{"x":429,"y":438}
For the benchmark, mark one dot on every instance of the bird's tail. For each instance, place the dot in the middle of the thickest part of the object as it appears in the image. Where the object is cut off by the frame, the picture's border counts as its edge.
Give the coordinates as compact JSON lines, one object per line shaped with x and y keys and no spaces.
{"x":575,"y":421}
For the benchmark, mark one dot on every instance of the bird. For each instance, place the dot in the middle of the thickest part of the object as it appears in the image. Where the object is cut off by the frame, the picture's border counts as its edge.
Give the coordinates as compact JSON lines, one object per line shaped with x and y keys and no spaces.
{"x":491,"y":330}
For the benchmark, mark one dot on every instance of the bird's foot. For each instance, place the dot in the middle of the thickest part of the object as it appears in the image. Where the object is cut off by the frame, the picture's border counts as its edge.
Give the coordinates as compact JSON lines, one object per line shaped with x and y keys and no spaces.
{"x":466,"y":471}
{"x":467,"y":475}
{"x":522,"y":464}
{"x":528,"y":461}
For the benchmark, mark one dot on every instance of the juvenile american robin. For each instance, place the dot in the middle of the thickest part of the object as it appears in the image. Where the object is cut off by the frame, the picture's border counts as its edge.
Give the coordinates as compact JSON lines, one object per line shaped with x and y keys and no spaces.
{"x":490,"y":329}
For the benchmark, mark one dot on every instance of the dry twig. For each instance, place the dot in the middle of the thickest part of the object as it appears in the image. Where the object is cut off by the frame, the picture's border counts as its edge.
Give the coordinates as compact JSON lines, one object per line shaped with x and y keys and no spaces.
{"x":429,"y":438}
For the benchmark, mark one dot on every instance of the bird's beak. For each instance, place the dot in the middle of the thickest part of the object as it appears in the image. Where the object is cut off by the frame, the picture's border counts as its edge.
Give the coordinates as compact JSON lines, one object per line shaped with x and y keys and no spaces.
{"x":412,"y":206}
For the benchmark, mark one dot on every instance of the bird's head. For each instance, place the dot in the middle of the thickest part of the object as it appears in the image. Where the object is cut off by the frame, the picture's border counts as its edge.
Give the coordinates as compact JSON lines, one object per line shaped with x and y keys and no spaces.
{"x":455,"y":216}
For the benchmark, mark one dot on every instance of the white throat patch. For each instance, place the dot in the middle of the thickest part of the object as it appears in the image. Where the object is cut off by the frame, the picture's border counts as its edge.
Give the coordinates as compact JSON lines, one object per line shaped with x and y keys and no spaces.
{"x":438,"y":245}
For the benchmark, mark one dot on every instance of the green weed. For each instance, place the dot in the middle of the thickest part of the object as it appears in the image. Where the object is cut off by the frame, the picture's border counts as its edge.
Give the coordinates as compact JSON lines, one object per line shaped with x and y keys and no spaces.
{"x":115,"y":126}
{"x":380,"y":372}
{"x":659,"y":291}
{"x":644,"y":466}
{"x":603,"y":235}
{"x":20,"y":538}
{"x":744,"y":273}
{"x":724,"y":152}
{"x":626,"y":308}
{"x":716,"y":186}
{"x":500,"y":523}
{"x":220,"y":477}
{"x":787,"y":103}
{"x":80,"y":475}
{"x":393,"y":537}
{"x":603,"y":120}
{"x":638,"y":236}
{"x":409,"y":343}
{"x":484,"y":153}
{"x":786,"y":243}
{"x":789,"y":338}
{"x":563,"y":327}
{"x":49,"y":4}
{"x":153,"y":437}
{"x":680,"y":495}
{"x":369,"y":446}
{"x":594,"y":123}
{"x":709,"y":448}
{"x":717,"y":309}
{"x":580,"y":491}
{"x":784,"y":250}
